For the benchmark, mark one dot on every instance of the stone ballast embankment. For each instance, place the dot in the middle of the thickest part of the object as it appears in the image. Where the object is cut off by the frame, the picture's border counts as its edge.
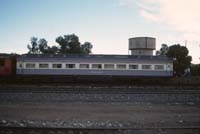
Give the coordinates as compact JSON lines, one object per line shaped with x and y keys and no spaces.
{"x":169,"y":105}
{"x":99,"y":94}
{"x":101,"y":97}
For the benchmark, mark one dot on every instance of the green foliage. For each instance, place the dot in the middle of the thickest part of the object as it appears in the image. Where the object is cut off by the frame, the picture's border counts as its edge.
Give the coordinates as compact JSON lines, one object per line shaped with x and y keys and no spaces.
{"x":179,"y":54}
{"x":163,"y":50}
{"x":86,"y":48}
{"x":43,"y":46}
{"x":68,"y":44}
{"x":33,"y":47}
{"x":195,"y":69}
{"x":182,"y":60}
{"x":52,"y":50}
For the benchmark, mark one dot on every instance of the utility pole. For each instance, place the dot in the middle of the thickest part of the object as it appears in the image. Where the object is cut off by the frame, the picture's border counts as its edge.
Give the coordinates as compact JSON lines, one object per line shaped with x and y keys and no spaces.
{"x":199,"y":57}
{"x":185,"y":43}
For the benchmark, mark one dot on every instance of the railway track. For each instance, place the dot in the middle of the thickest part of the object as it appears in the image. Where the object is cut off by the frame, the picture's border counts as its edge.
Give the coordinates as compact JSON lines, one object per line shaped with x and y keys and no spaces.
{"x":99,"y":90}
{"x":166,"y":130}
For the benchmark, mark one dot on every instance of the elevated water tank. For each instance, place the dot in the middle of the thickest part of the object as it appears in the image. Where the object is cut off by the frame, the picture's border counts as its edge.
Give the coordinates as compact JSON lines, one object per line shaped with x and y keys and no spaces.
{"x":142,"y":45}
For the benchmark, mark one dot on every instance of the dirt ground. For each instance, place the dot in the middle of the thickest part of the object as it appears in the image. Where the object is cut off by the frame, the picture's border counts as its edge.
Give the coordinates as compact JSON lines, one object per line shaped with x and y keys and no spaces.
{"x":133,"y":114}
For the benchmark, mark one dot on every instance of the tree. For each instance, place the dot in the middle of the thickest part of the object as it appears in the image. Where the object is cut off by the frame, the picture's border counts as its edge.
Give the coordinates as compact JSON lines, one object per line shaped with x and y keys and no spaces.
{"x":195,"y":69}
{"x":73,"y":44}
{"x":52,"y":50}
{"x":69,"y":44}
{"x":43,"y":46}
{"x":63,"y":44}
{"x":33,"y":47}
{"x":86,"y":47}
{"x":163,"y":50}
{"x":182,"y":60}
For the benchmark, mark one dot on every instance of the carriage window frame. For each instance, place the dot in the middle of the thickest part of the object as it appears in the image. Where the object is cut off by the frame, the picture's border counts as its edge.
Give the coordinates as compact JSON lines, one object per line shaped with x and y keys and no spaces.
{"x":43,"y":65}
{"x":146,"y":67}
{"x":135,"y":66}
{"x":109,"y":66}
{"x":159,"y":67}
{"x":20,"y":65}
{"x":56,"y":65}
{"x":70,"y":66}
{"x":30,"y":65}
{"x":97,"y":66}
{"x":121,"y":66}
{"x":84,"y":66}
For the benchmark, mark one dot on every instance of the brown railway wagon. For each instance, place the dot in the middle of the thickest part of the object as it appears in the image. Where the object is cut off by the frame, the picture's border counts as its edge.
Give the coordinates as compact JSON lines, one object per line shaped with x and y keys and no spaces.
{"x":6,"y":66}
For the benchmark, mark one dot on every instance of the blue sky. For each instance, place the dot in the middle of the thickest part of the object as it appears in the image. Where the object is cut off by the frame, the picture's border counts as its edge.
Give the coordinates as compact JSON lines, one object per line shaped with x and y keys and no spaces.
{"x":107,"y":24}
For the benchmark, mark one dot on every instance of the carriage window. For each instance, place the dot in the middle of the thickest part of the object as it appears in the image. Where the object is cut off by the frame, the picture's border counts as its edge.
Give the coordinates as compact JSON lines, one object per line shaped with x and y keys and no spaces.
{"x":159,"y":67}
{"x":84,"y":66}
{"x":20,"y":65}
{"x":70,"y":66}
{"x":43,"y":65}
{"x":121,"y":66}
{"x":30,"y":65}
{"x":108,"y":66}
{"x":147,"y":67}
{"x":57,"y":65}
{"x":96,"y":66}
{"x":169,"y":67}
{"x":133,"y":66}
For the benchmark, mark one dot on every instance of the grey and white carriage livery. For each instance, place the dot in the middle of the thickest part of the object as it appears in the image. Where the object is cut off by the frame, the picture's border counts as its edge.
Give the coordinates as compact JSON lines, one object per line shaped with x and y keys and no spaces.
{"x":91,"y":65}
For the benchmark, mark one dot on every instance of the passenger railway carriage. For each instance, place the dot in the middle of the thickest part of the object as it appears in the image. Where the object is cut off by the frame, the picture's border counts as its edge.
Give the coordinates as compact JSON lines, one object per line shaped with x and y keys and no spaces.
{"x":95,"y":65}
{"x":141,"y":63}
